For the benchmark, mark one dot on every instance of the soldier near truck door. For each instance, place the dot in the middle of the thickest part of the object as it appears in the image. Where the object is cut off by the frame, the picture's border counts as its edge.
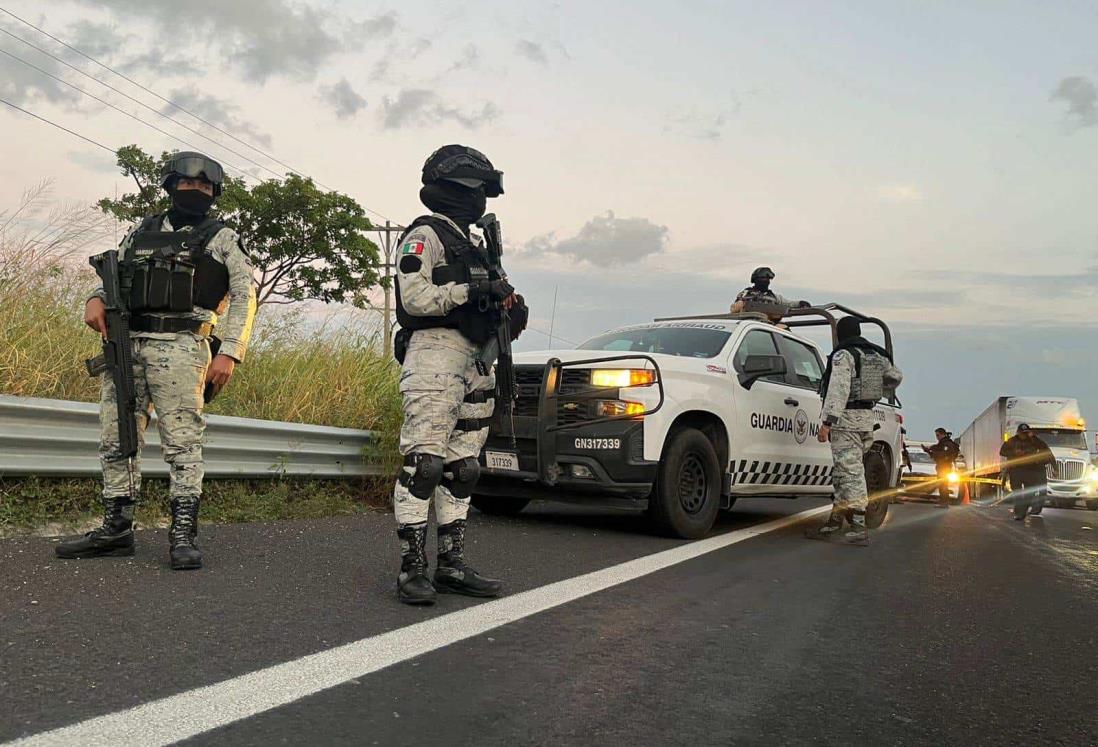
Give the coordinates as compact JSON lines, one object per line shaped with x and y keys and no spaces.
{"x":858,"y":375}
{"x":184,"y":278}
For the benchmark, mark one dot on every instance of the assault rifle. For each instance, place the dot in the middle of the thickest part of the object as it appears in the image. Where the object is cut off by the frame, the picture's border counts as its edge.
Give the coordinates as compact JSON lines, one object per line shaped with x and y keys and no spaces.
{"x":117,"y":357}
{"x":498,"y":349}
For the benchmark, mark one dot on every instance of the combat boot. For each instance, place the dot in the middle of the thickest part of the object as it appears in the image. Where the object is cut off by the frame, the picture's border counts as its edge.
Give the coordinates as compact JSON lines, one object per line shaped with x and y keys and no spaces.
{"x":453,"y":576}
{"x":829,"y":531}
{"x":185,"y":555}
{"x":413,"y":586}
{"x":858,"y":534}
{"x":113,"y":539}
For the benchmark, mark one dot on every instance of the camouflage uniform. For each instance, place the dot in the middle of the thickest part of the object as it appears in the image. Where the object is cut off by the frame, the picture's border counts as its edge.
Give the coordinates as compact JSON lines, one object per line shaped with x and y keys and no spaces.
{"x":437,"y":381}
{"x":851,"y":431}
{"x":170,"y":375}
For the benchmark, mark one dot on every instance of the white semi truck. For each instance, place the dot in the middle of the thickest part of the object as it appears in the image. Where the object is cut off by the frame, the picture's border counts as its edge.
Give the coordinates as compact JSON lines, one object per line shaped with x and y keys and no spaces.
{"x":1058,"y":422}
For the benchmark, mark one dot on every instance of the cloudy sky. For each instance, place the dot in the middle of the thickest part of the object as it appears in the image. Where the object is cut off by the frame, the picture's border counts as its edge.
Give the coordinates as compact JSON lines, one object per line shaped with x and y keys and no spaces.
{"x":931,"y":163}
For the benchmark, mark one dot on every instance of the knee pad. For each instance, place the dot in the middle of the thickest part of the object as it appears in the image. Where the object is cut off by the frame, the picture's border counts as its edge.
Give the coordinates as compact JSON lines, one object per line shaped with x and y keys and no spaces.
{"x":426,"y":476}
{"x":463,"y":476}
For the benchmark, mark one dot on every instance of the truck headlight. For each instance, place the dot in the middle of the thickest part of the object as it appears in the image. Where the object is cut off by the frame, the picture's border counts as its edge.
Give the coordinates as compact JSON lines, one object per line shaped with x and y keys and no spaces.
{"x":1094,"y":474}
{"x":618,"y":407}
{"x":620,"y":378}
{"x":953,"y":477}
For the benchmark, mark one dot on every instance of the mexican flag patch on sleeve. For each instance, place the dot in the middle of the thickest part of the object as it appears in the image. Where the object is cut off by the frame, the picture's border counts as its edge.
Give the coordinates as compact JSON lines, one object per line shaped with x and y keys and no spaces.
{"x":413,"y":247}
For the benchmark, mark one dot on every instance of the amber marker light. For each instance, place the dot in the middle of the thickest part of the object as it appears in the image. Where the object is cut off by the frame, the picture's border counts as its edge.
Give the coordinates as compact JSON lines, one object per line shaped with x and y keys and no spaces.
{"x":620,"y":378}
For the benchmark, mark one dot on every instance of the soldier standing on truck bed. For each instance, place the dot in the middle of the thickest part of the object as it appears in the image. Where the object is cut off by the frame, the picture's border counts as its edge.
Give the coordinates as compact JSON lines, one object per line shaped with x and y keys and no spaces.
{"x":445,"y":296}
{"x":858,"y":375}
{"x":1027,"y":457}
{"x":188,"y":280}
{"x":944,"y":453}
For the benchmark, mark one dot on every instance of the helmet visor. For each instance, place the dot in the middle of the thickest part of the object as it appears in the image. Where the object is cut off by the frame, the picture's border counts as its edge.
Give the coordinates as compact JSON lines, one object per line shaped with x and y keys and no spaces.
{"x":195,"y":167}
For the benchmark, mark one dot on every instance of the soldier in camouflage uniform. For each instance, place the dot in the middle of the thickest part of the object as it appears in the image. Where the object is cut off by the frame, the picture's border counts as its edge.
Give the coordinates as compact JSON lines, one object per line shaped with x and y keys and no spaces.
{"x":858,"y":375}
{"x":177,"y":361}
{"x":444,"y":295}
{"x":759,"y":298}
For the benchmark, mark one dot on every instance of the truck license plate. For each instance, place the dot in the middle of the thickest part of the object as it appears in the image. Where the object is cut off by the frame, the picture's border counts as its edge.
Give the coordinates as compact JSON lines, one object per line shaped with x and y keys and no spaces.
{"x":501,"y":460}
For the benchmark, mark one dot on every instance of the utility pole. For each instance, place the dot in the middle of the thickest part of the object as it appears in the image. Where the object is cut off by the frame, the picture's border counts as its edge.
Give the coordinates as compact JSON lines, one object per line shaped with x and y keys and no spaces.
{"x":387,"y":269}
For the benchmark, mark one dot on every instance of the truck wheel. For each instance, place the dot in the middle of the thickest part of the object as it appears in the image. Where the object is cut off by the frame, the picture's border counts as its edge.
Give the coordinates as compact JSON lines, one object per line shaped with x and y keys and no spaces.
{"x":687,"y":493}
{"x":1092,"y":505}
{"x":496,"y":505}
{"x":877,"y":484}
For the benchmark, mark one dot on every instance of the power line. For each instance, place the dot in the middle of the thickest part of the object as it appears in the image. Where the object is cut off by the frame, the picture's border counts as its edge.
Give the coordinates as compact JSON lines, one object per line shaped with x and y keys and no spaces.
{"x":153,"y":109}
{"x":107,"y":103}
{"x":165,"y":100}
{"x":60,"y":127}
{"x":150,"y":91}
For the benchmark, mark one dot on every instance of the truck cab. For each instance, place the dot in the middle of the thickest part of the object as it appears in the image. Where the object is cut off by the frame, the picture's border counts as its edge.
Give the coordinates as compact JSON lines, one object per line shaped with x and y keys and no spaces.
{"x":680,"y":417}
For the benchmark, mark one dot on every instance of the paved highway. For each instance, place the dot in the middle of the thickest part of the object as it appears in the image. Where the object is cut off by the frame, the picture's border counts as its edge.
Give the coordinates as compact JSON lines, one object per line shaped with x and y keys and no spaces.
{"x":958,"y":626}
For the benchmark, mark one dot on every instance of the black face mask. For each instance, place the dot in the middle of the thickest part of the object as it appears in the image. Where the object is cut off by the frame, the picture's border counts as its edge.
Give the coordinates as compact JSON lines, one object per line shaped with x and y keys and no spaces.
{"x":460,"y":204}
{"x":191,"y":202}
{"x":762,"y":285}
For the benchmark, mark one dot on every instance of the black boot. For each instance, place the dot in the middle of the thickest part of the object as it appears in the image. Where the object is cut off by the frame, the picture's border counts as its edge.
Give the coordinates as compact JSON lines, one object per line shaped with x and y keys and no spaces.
{"x":114,"y":538}
{"x":452,"y":575}
{"x":833,"y":529}
{"x":858,"y":534}
{"x":184,"y":552}
{"x":413,"y":586}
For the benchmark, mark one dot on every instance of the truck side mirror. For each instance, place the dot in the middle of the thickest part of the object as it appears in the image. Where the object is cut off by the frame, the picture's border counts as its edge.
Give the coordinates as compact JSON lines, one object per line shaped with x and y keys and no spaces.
{"x":757,"y":367}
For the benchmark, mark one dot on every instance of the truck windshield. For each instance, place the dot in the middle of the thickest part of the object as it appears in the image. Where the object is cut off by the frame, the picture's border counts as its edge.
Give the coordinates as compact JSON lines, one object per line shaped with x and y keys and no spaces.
{"x":1063,"y":439}
{"x":693,"y":341}
{"x":919,"y":457}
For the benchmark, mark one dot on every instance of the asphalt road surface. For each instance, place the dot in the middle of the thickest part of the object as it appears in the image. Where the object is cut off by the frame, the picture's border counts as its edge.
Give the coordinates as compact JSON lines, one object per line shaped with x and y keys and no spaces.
{"x":952,"y":627}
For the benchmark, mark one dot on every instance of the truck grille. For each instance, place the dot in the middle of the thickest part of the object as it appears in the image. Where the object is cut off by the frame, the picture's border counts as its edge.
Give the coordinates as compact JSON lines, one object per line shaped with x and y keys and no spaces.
{"x":1066,"y":470}
{"x":528,"y":383}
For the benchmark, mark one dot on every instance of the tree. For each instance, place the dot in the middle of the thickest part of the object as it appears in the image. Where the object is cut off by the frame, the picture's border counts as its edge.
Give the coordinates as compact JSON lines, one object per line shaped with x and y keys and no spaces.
{"x":304,"y":243}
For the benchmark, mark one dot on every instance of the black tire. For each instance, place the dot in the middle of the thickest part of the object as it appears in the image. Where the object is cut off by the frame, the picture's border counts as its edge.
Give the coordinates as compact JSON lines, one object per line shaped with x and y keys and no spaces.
{"x":498,"y":505}
{"x":687,"y":493}
{"x":876,"y":483}
{"x":1092,"y":505}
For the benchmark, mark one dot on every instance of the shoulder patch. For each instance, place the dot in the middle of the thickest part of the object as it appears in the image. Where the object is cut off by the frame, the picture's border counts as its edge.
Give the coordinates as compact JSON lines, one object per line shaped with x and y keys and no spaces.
{"x":412,"y":246}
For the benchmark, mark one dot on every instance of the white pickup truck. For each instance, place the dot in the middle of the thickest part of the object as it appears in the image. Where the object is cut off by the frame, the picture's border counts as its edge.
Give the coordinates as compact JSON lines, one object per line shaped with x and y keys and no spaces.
{"x":680,"y":417}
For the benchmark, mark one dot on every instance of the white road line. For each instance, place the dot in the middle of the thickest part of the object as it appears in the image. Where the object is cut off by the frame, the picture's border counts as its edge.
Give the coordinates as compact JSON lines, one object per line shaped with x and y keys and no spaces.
{"x":178,"y":717}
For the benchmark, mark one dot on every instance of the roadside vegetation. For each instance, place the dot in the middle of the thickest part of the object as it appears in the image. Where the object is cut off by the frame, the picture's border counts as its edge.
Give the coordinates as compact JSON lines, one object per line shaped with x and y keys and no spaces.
{"x":304,"y":366}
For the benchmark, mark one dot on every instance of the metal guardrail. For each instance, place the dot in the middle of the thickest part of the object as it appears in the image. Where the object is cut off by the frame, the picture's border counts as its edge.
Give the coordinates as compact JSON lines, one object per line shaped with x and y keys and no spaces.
{"x":58,"y":438}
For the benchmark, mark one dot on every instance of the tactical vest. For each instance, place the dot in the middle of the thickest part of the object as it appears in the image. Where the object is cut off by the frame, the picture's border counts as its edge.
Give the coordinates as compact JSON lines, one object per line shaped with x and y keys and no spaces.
{"x":172,"y":271}
{"x":465,"y":263}
{"x":868,"y":387}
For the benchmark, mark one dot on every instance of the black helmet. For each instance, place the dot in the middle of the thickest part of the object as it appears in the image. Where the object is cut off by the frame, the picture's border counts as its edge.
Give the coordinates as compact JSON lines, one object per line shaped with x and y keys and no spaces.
{"x":465,"y":166}
{"x":762,"y":273}
{"x":1023,"y":428}
{"x":193,"y":166}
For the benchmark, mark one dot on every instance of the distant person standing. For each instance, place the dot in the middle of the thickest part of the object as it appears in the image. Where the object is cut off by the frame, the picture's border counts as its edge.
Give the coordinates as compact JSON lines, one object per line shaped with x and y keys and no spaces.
{"x":1027,"y":457}
{"x":758,"y":297}
{"x":944,"y":453}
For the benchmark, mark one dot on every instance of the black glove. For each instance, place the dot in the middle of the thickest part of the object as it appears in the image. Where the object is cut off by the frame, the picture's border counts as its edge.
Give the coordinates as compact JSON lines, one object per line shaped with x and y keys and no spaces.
{"x":804,"y":305}
{"x":497,"y":290}
{"x":519,"y":315}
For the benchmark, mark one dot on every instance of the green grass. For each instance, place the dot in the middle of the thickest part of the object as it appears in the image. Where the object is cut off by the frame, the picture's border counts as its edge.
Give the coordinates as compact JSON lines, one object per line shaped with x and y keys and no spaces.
{"x":60,"y":506}
{"x":303,"y":366}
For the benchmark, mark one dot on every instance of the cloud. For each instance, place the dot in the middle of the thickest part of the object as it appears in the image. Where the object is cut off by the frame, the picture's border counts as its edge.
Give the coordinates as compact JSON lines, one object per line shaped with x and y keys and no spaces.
{"x":96,"y":39}
{"x":1081,"y":96}
{"x":156,"y":64}
{"x":94,"y":159}
{"x":381,"y":25}
{"x":469,"y":60}
{"x":221,"y":112}
{"x":606,"y":240}
{"x":899,"y":193}
{"x":421,"y":107}
{"x":532,"y":51}
{"x":20,"y":84}
{"x":263,"y":38}
{"x":343,"y":98}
